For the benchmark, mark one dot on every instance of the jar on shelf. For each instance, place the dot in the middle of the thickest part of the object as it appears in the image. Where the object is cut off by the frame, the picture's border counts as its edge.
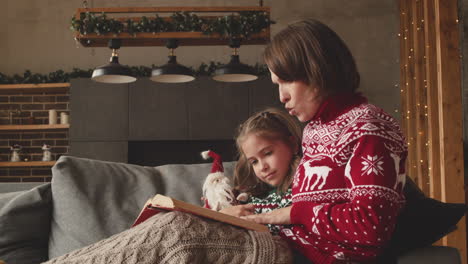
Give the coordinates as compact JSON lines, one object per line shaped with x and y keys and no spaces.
{"x":46,"y":155}
{"x":15,"y":153}
{"x":52,"y":117}
{"x":64,"y":118}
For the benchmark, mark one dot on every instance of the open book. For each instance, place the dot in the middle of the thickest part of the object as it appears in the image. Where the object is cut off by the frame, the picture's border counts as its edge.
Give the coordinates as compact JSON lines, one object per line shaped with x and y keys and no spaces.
{"x":164,"y":203}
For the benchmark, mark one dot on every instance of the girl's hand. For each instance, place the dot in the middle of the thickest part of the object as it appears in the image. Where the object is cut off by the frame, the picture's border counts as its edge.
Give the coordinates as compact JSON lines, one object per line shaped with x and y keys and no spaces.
{"x":239,"y":210}
{"x":278,"y":217}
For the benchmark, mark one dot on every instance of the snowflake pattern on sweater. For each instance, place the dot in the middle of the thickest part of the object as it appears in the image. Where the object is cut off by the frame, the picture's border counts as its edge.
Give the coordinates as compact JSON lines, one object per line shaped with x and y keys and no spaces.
{"x":272,"y":201}
{"x":347,"y":191}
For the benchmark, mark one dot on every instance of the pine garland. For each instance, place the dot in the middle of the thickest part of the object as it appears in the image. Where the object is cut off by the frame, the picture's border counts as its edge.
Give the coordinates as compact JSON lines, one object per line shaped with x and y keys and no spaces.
{"x":60,"y":76}
{"x":240,"y":25}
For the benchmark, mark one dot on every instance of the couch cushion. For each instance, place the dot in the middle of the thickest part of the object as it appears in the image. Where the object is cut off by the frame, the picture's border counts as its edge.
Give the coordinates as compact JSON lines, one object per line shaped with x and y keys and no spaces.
{"x":95,"y":199}
{"x":25,"y":224}
{"x":423,"y":221}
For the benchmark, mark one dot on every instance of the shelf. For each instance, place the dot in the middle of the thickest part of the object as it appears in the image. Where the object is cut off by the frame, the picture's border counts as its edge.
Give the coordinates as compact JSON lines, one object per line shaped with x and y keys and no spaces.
{"x":33,"y":127}
{"x":159,"y":39}
{"x":40,"y":87}
{"x":171,"y":9}
{"x":27,"y":164}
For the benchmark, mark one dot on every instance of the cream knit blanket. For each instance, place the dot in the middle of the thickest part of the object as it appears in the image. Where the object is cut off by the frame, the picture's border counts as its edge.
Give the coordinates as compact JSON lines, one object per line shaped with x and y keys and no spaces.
{"x":176,"y":237}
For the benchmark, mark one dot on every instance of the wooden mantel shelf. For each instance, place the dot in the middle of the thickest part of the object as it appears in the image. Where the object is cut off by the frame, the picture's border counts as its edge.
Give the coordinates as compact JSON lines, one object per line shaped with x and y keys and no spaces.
{"x":159,"y":39}
{"x":30,"y":87}
{"x":33,"y":127}
{"x":27,"y":164}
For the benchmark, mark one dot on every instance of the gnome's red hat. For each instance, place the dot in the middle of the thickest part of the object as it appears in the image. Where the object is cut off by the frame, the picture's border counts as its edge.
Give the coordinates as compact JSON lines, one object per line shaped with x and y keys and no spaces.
{"x":217,"y":162}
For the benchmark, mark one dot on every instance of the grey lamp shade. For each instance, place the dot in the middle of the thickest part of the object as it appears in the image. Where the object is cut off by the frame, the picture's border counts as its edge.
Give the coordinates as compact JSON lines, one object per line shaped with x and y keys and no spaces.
{"x":234,"y":71}
{"x":172,"y":72}
{"x":113,"y":73}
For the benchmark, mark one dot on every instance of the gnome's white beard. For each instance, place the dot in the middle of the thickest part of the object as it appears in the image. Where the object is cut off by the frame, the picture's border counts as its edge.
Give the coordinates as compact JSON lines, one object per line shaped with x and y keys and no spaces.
{"x":217,"y":190}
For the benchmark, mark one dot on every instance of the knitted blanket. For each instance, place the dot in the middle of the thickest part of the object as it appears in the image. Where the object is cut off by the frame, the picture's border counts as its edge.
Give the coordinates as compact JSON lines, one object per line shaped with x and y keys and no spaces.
{"x":176,"y":237}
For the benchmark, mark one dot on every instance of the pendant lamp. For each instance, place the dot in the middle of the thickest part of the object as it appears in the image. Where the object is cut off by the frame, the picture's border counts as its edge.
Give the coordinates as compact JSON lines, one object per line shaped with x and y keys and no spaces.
{"x":234,"y":71}
{"x":172,"y":72}
{"x":113,"y":72}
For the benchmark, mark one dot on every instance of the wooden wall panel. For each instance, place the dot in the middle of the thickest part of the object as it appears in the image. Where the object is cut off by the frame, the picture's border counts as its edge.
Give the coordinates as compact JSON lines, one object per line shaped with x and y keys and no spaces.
{"x":450,"y":113}
{"x":432,"y":99}
{"x":431,"y":103}
{"x":408,"y":95}
{"x":404,"y":72}
{"x":157,"y":111}
{"x":115,"y":151}
{"x":264,"y":94}
{"x":215,"y":109}
{"x":419,"y":100}
{"x":100,"y":111}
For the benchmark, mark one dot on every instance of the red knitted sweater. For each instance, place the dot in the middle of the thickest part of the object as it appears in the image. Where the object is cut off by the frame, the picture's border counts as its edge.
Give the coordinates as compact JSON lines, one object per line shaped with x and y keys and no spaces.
{"x":347,"y":191}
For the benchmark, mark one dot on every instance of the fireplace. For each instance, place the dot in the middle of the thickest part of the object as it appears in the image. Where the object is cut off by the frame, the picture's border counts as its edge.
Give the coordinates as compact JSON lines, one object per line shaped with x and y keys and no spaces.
{"x":155,"y":153}
{"x":152,"y":124}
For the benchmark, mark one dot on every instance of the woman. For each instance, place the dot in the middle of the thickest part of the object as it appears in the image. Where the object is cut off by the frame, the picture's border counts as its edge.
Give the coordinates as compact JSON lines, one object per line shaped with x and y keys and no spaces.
{"x":347,"y":191}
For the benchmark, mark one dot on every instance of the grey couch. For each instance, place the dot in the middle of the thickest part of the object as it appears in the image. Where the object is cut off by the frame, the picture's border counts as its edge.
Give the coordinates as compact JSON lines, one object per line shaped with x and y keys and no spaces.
{"x":89,"y":200}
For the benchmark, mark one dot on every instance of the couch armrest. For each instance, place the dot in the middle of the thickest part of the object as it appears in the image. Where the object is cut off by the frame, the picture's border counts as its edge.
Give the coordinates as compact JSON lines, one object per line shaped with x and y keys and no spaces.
{"x":16,"y":186}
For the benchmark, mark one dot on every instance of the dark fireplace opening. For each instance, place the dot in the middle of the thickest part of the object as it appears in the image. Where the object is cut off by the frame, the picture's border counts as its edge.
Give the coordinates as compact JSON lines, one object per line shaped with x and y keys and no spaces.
{"x":156,"y":153}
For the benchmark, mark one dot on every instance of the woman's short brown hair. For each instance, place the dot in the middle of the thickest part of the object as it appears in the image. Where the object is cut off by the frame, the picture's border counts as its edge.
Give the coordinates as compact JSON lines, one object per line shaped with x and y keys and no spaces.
{"x":311,"y":52}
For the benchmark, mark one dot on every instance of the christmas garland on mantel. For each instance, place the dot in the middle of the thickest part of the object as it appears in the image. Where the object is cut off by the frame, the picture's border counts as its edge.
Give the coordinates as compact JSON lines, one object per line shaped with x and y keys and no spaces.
{"x":242,"y":25}
{"x":60,"y":76}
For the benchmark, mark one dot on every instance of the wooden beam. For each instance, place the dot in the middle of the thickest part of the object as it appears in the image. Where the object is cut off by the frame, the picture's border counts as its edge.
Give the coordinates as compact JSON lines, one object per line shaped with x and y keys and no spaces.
{"x":173,"y":9}
{"x":34,"y":87}
{"x":33,"y":127}
{"x":450,"y":114}
{"x":159,"y":39}
{"x":404,"y":68}
{"x":409,"y":108}
{"x":432,"y":100}
{"x":419,"y":93}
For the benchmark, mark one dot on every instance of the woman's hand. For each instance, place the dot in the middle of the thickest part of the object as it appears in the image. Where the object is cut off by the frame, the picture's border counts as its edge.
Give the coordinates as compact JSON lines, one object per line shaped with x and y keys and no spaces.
{"x":278,"y":217}
{"x":239,"y":210}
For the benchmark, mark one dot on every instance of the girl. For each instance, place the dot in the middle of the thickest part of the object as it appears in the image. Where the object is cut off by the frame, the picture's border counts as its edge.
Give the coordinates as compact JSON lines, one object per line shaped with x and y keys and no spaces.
{"x":347,"y":191}
{"x":268,"y":144}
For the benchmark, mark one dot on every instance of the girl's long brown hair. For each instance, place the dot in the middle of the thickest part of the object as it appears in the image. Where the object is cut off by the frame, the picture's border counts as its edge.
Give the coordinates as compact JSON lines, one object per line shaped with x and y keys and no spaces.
{"x":273,"y":124}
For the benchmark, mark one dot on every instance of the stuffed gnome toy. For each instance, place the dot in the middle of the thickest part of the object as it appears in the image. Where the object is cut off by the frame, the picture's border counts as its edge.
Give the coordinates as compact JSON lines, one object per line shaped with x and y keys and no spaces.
{"x":218,"y":192}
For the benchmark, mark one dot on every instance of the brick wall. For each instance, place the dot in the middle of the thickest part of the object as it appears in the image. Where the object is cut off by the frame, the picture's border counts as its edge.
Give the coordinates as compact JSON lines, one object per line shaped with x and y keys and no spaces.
{"x":31,"y":108}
